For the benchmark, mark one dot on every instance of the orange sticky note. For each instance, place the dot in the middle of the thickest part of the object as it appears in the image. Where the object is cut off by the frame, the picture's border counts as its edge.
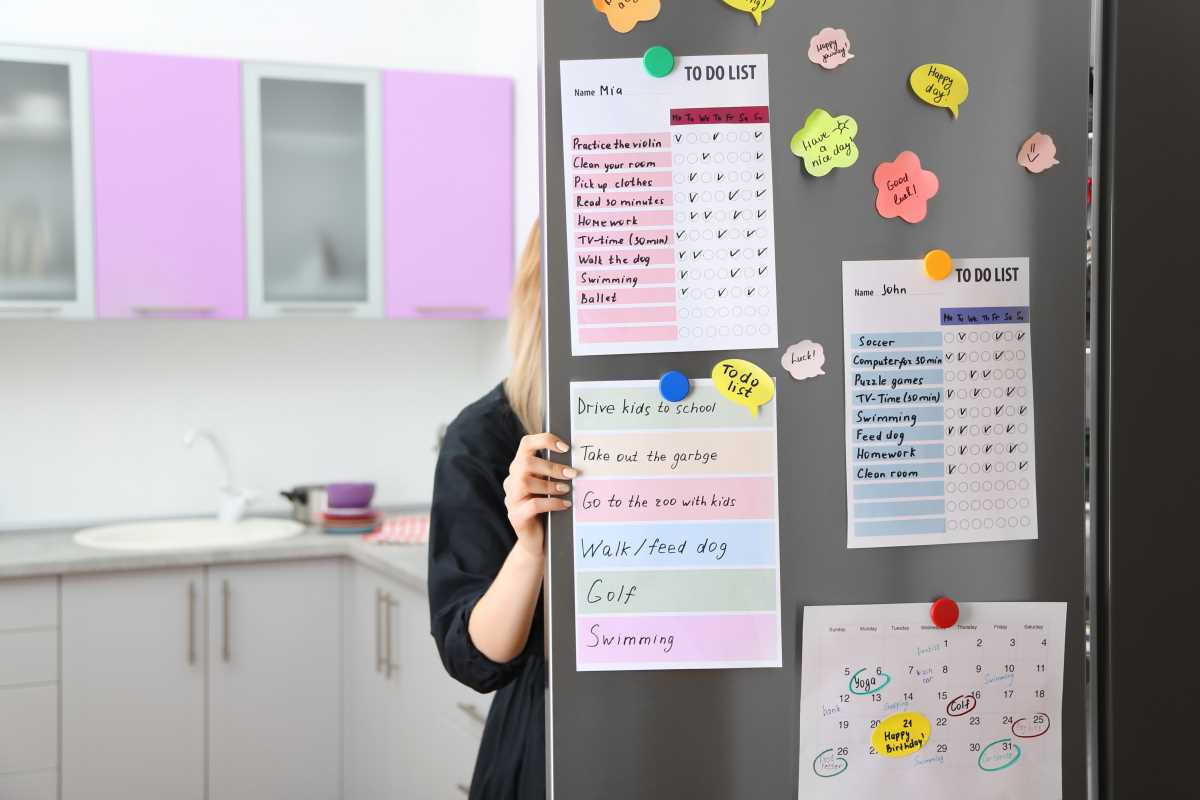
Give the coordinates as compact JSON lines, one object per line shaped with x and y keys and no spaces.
{"x":904,"y":188}
{"x":624,"y":15}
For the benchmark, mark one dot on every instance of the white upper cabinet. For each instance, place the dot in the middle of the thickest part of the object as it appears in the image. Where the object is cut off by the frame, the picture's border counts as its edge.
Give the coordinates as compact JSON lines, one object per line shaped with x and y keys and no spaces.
{"x":45,"y":184}
{"x":314,"y":191}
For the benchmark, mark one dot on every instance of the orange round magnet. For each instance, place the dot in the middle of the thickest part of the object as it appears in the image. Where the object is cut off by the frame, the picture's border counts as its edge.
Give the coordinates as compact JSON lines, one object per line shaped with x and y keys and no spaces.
{"x":938,"y":265}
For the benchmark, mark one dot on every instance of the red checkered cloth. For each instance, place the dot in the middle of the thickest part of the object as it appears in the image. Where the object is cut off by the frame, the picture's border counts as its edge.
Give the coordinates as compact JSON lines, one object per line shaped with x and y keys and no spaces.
{"x":412,"y":529}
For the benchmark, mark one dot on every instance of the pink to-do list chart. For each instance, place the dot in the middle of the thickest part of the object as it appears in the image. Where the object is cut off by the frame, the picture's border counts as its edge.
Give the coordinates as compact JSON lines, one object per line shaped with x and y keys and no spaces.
{"x":676,"y":532}
{"x":939,"y":403}
{"x":669,"y":215}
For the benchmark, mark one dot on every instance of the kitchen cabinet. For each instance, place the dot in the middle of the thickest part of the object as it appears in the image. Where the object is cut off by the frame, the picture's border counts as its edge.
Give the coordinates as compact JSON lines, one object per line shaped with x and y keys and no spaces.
{"x":29,"y":689}
{"x":167,"y":155}
{"x":46,"y":267}
{"x":314,"y":191}
{"x":373,"y":698}
{"x":411,"y":730}
{"x":133,"y":654}
{"x":275,"y":678}
{"x":448,"y":178}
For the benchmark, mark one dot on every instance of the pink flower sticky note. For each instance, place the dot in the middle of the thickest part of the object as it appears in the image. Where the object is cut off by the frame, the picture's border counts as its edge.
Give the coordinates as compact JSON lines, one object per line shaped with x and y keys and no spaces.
{"x":904,"y":188}
{"x":1037,"y":153}
{"x":830,"y":48}
{"x":623,"y":15}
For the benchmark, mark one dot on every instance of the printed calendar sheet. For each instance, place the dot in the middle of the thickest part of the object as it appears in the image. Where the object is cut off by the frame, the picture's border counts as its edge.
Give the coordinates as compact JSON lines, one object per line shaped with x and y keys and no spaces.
{"x":939,"y":403}
{"x":669,"y":208}
{"x":892,"y":706}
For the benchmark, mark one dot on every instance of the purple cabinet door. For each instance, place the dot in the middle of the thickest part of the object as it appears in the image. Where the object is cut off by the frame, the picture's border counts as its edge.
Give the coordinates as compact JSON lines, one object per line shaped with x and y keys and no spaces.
{"x":447,"y":195}
{"x":168,"y":186}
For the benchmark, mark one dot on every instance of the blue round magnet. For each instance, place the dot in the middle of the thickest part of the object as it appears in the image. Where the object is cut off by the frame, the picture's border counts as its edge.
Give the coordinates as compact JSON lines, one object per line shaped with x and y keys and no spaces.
{"x":674,"y":386}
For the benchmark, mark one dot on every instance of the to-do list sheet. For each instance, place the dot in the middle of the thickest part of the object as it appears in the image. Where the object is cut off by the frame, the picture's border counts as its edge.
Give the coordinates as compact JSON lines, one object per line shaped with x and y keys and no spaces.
{"x":939,"y":403}
{"x":670,"y":224}
{"x":675,"y":530}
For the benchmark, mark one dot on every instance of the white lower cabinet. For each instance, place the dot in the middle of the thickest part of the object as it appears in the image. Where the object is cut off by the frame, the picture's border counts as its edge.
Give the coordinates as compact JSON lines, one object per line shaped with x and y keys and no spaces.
{"x":411,"y":730}
{"x":133,"y":685}
{"x":29,"y":729}
{"x":219,"y":683}
{"x":274,"y":675}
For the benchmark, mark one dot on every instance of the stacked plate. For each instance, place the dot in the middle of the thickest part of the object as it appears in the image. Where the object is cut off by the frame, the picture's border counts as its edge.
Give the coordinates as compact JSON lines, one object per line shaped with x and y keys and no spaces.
{"x":349,"y":520}
{"x":349,"y":508}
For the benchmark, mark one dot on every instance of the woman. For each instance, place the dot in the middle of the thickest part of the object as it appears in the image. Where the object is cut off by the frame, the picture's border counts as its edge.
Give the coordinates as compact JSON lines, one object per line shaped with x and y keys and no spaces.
{"x":486,"y":552}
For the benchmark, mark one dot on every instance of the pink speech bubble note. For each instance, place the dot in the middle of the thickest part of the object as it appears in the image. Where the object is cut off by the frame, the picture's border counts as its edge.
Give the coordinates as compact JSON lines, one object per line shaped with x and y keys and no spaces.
{"x":1037,"y":153}
{"x":830,"y":48}
{"x":904,"y":188}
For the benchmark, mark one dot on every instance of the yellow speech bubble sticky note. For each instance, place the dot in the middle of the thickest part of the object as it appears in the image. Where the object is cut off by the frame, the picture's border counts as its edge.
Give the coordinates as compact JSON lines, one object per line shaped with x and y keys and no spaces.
{"x":754,"y":8}
{"x":940,"y":85}
{"x":826,"y":142}
{"x":744,"y":383}
{"x":901,"y":734}
{"x":623,"y":15}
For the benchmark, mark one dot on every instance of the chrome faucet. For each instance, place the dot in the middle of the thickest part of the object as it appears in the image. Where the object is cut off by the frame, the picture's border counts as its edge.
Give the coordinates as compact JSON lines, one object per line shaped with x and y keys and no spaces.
{"x":233,"y":501}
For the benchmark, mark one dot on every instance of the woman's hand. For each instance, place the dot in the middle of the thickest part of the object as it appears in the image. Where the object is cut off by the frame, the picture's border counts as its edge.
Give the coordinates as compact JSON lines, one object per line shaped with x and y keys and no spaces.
{"x":530,"y":479}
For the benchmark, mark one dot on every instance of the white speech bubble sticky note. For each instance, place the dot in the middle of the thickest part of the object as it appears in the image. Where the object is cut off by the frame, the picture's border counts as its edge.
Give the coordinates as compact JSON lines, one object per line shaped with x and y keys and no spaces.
{"x":804,"y":360}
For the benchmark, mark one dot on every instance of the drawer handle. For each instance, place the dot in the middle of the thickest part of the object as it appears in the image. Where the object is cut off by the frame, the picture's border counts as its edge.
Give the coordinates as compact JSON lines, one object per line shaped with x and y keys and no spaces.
{"x":450,"y":309}
{"x":45,"y":311}
{"x":174,"y":311}
{"x":472,"y":711}
{"x":331,"y":310}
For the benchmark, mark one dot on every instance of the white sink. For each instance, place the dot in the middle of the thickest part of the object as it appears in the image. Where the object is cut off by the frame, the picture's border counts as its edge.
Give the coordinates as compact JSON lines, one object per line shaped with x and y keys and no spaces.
{"x":187,"y":534}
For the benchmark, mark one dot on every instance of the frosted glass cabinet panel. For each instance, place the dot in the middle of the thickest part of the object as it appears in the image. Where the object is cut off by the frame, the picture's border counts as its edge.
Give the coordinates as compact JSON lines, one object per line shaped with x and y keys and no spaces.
{"x":313,"y":191}
{"x":45,"y":184}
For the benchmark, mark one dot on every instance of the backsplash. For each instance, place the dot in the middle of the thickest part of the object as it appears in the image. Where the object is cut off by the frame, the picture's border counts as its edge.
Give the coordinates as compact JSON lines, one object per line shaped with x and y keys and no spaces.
{"x":92,"y":416}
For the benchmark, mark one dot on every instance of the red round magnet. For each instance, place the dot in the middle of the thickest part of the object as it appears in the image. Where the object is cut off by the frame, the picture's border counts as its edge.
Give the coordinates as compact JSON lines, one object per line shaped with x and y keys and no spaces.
{"x":944,"y":612}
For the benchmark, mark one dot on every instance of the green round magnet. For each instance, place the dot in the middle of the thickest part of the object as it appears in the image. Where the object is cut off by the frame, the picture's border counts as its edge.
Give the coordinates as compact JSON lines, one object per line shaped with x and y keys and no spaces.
{"x":659,"y":61}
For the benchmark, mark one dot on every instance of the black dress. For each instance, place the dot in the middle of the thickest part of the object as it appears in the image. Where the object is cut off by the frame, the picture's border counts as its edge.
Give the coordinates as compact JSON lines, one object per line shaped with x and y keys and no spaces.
{"x":469,"y":538}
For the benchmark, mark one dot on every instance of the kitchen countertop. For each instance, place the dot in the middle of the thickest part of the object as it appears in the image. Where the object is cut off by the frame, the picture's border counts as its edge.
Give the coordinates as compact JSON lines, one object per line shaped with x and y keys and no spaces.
{"x":55,"y":552}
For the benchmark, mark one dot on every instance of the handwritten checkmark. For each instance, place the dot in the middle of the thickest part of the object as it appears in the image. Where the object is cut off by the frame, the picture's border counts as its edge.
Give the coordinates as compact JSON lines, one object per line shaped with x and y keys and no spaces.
{"x":733,"y":273}
{"x":707,"y":214}
{"x":962,"y":429}
{"x":749,"y":292}
{"x":678,"y":137}
{"x":692,"y":177}
{"x":716,"y":136}
{"x":762,"y":213}
{"x":761,"y":270}
{"x":692,"y":197}
{"x":762,"y":250}
{"x":679,"y":234}
{"x":682,"y":274}
{"x":1023,"y":465}
{"x":737,"y":214}
{"x":733,"y":253}
{"x":1012,"y":447}
{"x":760,"y":192}
{"x":734,"y":193}
{"x":720,"y":292}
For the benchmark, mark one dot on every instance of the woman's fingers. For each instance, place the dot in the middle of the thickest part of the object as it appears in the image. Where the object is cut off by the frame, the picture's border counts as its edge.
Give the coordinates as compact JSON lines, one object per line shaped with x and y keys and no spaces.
{"x":532,"y":485}
{"x":531,"y":507}
{"x":542,"y":441}
{"x":532,"y":465}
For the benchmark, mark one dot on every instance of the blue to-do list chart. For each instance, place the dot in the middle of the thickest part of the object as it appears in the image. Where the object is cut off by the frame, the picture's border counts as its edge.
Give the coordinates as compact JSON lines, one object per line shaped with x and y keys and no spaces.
{"x":939,"y":403}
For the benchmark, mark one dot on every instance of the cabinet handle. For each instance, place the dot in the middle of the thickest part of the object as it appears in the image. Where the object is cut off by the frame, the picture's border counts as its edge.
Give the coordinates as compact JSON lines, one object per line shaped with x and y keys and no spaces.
{"x":472,"y":711}
{"x":173,"y":311}
{"x":450,"y":309}
{"x":191,"y":624}
{"x":331,"y":310}
{"x":378,"y":636}
{"x":44,"y":311}
{"x":391,"y":665}
{"x":463,"y":788}
{"x":225,"y":648}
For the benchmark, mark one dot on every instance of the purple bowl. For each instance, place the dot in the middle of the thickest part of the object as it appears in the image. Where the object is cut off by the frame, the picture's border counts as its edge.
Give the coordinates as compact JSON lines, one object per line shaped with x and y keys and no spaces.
{"x":350,"y":495}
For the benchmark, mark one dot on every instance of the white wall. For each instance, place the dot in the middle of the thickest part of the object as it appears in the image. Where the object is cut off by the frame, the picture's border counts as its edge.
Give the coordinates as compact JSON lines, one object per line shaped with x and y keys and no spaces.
{"x":92,"y":414}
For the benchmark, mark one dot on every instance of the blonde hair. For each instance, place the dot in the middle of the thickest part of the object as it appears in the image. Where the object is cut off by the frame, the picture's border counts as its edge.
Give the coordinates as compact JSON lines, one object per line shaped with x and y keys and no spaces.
{"x":524,"y":384}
